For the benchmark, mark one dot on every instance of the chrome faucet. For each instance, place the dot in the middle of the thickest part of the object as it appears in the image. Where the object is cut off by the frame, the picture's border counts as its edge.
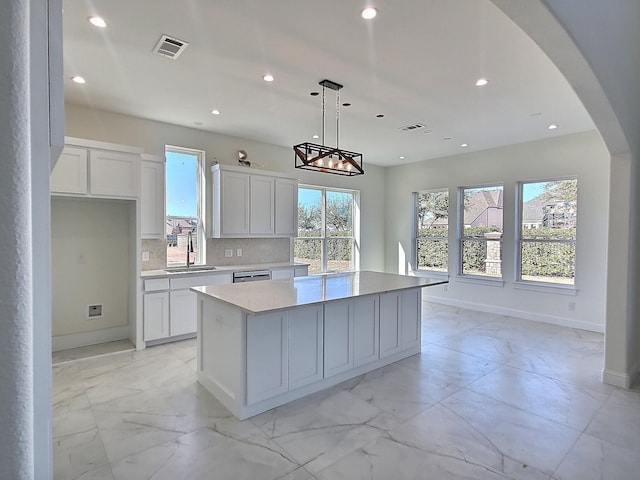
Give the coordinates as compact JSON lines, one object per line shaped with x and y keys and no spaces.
{"x":189,"y":249}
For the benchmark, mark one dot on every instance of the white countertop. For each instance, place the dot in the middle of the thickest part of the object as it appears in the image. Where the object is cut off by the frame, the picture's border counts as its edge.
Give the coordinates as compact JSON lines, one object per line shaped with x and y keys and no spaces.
{"x":212,"y":270}
{"x":266,"y":296}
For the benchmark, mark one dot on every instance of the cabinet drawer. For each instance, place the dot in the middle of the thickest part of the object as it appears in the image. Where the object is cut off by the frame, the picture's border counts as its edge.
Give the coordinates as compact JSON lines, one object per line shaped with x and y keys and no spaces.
{"x":155,"y":284}
{"x":192,"y":280}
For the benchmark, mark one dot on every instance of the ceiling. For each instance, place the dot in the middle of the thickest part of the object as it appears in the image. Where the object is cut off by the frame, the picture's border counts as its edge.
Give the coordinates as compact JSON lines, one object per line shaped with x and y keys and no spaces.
{"x":415,"y":63}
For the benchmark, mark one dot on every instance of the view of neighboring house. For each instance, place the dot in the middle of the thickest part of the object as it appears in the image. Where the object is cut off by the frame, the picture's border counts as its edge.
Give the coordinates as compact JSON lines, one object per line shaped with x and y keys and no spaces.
{"x":177,"y":230}
{"x":483,"y":208}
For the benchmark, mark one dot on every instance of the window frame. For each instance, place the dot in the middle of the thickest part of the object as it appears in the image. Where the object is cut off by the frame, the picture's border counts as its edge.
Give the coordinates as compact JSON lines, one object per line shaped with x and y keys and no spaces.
{"x":488,"y":279}
{"x":200,"y":203}
{"x":355,"y":226}
{"x":416,"y":229}
{"x":519,"y":240}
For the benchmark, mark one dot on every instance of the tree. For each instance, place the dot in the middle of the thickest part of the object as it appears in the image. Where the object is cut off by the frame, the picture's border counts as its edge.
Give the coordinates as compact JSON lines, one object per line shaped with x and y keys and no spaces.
{"x":309,"y":217}
{"x":562,"y":190}
{"x":339,"y":212}
{"x":432,"y":206}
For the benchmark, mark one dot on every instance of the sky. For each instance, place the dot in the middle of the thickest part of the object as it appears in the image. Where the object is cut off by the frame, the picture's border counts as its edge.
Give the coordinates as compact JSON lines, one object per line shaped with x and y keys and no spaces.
{"x":182,"y":169}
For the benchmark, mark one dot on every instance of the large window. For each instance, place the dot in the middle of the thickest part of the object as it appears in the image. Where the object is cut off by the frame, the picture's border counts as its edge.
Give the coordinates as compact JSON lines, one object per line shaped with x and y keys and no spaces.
{"x":481,"y":230}
{"x":547,"y":234}
{"x":326,"y":229}
{"x":184,"y":189}
{"x":431,"y":240}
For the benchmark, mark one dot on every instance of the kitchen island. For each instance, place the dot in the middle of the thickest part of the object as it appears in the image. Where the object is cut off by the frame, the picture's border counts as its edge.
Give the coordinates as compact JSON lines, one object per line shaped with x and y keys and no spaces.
{"x":263,"y":344}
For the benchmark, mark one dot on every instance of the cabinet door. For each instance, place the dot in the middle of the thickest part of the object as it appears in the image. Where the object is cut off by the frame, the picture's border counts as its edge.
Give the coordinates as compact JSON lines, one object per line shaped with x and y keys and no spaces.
{"x":234,"y":203}
{"x":338,"y":337}
{"x":156,"y":315}
{"x":365,"y":330}
{"x":389,"y":324}
{"x":70,"y":173}
{"x":152,"y":199}
{"x":282,"y":273}
{"x":261,"y":216}
{"x":267,"y":356}
{"x":183,"y":312}
{"x":286,"y":207}
{"x":114,"y":173}
{"x":411,"y":324}
{"x":305,"y":346}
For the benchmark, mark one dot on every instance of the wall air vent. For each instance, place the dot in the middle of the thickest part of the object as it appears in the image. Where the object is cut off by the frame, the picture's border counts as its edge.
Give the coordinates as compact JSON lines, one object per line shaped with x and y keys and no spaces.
{"x":170,"y":47}
{"x":412,"y":127}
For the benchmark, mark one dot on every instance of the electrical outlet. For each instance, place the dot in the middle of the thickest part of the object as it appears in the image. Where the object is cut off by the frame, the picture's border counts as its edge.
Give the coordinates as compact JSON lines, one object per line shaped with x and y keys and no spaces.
{"x":145,"y":256}
{"x":228,"y":252}
{"x":238,"y":252}
{"x":572,"y":306}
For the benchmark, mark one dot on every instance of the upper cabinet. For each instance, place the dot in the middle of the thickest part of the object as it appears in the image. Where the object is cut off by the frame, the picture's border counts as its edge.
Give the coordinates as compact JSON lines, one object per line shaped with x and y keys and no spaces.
{"x":70,"y":173}
{"x":253,"y":203}
{"x":87,"y":167}
{"x":152,"y":174}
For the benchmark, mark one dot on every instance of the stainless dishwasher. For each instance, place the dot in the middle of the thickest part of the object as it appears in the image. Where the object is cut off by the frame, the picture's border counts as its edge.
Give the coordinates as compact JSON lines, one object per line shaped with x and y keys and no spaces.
{"x":251,"y":276}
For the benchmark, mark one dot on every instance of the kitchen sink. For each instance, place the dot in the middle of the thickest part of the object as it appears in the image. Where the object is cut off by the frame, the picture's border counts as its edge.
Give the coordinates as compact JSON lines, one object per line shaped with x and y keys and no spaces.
{"x":196,"y":269}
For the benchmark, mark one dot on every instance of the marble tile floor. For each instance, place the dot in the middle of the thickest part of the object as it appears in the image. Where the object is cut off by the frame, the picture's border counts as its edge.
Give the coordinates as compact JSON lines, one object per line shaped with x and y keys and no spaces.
{"x":489,"y":397}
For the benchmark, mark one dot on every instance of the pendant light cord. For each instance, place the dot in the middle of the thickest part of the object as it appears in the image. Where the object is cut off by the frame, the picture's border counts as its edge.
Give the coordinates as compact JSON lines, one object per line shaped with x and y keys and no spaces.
{"x":337,"y":119}
{"x":323,"y":110}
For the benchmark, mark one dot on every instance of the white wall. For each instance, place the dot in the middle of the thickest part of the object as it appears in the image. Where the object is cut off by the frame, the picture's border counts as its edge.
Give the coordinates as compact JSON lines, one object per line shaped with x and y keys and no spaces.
{"x":583,"y":155}
{"x":90,"y":246}
{"x":152,"y":137}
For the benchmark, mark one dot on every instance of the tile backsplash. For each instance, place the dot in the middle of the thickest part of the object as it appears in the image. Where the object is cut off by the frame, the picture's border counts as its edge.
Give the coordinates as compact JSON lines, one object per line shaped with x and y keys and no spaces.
{"x":254,"y":250}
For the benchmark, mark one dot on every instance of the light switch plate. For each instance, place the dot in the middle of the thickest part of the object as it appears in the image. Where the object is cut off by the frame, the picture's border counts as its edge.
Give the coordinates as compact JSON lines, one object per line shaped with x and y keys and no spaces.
{"x":145,"y":256}
{"x":228,"y":252}
{"x":238,"y":252}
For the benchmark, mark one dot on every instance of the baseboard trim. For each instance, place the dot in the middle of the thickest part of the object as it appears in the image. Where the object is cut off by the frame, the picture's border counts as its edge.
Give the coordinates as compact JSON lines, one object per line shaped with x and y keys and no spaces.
{"x":619,"y":379}
{"x":512,"y":312}
{"x":75,"y":340}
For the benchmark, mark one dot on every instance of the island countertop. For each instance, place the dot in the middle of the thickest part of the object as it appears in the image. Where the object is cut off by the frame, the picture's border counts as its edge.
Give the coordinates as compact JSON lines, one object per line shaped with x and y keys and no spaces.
{"x":267,"y":296}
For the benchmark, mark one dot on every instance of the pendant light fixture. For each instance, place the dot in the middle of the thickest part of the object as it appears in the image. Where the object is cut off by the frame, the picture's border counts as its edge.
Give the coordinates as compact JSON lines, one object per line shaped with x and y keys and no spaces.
{"x":311,"y":156}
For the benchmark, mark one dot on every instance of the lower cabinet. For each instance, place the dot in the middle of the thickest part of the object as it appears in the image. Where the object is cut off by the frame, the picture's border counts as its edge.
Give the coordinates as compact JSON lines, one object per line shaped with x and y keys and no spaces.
{"x":267,"y":356}
{"x":183,"y":312}
{"x":156,"y":315}
{"x":338,"y":337}
{"x":284,"y":351}
{"x":366,"y":330}
{"x":399,"y":321}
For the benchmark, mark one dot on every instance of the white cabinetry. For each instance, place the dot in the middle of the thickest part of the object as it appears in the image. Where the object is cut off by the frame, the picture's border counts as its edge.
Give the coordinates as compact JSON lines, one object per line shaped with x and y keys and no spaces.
{"x":261,"y":205}
{"x":286,"y":207}
{"x":338,"y":337}
{"x":267,"y":356}
{"x":170,"y":308}
{"x":305,"y":346}
{"x":366,"y":330}
{"x":399,"y":321}
{"x":254,"y":203}
{"x":152,"y":184}
{"x":70,"y":173}
{"x":284,"y":352}
{"x":114,"y":174}
{"x":90,"y":168}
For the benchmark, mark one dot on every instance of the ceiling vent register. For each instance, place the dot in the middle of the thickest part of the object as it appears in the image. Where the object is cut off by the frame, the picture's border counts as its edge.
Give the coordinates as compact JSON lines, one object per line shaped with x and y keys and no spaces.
{"x":170,"y":47}
{"x":412,"y":127}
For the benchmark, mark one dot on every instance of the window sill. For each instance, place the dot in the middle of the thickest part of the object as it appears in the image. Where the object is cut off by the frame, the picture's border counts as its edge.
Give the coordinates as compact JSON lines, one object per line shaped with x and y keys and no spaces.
{"x":546,"y":288}
{"x":478,"y":280}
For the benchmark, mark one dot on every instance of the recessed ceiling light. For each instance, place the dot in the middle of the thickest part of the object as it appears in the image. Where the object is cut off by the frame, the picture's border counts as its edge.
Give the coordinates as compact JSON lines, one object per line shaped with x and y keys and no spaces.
{"x":553,"y":126}
{"x":316,"y":136}
{"x":215,"y":112}
{"x":78,"y":79}
{"x":380,"y":115}
{"x":481,"y":82}
{"x":346,"y":104}
{"x":268,"y":77}
{"x":97,"y":21}
{"x":446,"y":138}
{"x":314,"y":94}
{"x":369,"y":13}
{"x":401,"y":157}
{"x":464,"y":145}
